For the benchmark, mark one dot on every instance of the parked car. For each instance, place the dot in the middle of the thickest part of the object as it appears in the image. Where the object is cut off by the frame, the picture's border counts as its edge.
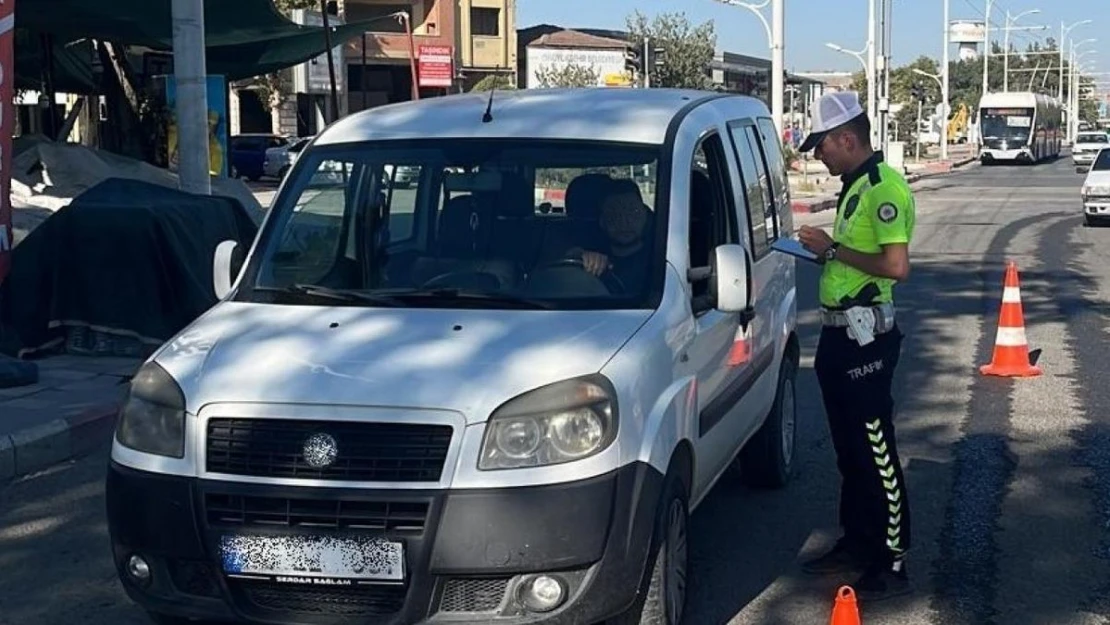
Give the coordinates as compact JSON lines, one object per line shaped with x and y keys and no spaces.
{"x":248,"y":153}
{"x":1087,"y":145}
{"x":423,"y":406}
{"x":279,"y":160}
{"x":1096,"y":189}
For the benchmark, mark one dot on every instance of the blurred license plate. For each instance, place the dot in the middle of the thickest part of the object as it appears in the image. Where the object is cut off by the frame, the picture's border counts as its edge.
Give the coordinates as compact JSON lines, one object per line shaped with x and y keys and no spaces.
{"x":305,"y":559}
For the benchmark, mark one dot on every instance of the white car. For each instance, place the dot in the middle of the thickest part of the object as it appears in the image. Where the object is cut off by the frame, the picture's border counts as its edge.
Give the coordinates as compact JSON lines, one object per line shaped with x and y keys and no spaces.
{"x":1087,"y":145}
{"x":279,"y":160}
{"x":1096,"y":189}
{"x":419,"y":406}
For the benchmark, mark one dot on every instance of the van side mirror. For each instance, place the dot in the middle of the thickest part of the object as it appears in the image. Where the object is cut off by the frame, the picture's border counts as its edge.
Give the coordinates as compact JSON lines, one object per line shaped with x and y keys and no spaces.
{"x":731,"y":283}
{"x":222,"y":277}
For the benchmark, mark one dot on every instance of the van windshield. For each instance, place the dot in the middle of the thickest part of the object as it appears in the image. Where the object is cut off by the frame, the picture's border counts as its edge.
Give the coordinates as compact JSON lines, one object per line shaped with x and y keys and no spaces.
{"x":471,"y":223}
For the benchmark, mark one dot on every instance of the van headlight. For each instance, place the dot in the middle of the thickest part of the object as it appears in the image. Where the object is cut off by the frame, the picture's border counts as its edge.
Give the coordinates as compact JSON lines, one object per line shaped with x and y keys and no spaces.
{"x":558,"y":423}
{"x":152,"y":419}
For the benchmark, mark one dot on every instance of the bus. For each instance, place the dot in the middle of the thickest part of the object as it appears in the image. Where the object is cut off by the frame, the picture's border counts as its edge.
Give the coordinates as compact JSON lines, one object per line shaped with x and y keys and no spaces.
{"x":1020,"y":127}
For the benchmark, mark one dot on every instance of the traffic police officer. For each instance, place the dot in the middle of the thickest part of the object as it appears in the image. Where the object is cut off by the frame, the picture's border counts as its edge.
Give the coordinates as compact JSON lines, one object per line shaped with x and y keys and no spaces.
{"x":860,"y":344}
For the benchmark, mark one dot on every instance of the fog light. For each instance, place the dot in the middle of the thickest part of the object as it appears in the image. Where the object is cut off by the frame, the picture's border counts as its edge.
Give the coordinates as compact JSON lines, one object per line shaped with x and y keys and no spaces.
{"x":138,"y":569}
{"x":542,"y":593}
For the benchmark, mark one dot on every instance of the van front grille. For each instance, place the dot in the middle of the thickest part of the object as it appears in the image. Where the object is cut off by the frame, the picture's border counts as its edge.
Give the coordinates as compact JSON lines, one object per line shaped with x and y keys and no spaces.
{"x":343,"y":514}
{"x":370,"y":452}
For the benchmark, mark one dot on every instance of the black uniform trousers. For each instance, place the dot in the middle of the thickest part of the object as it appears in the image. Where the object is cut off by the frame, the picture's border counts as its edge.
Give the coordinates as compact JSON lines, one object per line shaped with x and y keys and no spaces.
{"x":856,"y":387}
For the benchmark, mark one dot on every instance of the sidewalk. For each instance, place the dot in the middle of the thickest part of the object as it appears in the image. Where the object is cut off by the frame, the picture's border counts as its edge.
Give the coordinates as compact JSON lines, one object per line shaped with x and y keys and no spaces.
{"x":917,"y":171}
{"x":70,"y":412}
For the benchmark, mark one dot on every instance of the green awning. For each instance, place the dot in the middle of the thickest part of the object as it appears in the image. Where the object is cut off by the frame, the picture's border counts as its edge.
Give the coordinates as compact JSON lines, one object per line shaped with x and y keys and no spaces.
{"x":245,"y":38}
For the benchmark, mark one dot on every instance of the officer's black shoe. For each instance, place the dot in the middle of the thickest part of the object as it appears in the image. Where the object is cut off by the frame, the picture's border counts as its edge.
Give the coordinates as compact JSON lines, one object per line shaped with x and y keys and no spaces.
{"x":842,"y":558}
{"x":883,"y":582}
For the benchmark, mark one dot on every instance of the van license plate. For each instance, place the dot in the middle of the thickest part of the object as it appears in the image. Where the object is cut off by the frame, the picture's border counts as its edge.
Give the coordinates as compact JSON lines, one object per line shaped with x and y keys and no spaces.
{"x":305,"y":559}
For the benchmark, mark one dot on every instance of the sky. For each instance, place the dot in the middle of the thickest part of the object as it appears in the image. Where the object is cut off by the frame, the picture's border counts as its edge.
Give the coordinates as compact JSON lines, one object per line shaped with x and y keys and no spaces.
{"x":812,"y":23}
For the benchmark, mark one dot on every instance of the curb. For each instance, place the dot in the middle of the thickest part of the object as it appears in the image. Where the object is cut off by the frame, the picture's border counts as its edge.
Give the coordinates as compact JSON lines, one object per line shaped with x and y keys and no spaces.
{"x":42,"y":446}
{"x":802,"y":207}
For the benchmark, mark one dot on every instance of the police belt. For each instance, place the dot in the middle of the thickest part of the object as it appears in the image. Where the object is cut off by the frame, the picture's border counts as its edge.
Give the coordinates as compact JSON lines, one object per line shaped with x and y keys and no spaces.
{"x":884,"y":318}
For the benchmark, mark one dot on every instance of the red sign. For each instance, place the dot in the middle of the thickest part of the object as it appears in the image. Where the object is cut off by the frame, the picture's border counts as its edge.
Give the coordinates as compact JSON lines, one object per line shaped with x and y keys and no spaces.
{"x":435,"y":67}
{"x":7,"y":113}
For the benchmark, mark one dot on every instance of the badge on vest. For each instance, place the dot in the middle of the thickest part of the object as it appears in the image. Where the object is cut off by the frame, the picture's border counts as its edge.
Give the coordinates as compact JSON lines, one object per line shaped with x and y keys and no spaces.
{"x":888,"y":213}
{"x":851,"y":206}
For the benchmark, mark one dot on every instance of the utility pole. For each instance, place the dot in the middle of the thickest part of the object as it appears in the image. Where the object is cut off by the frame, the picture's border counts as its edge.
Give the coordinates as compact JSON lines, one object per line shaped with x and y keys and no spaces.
{"x":872,"y":90}
{"x":882,"y":80}
{"x":647,"y":62}
{"x":1006,"y":54}
{"x":944,"y":87}
{"x":190,"y":75}
{"x":331,"y":62}
{"x":778,"y":62}
{"x":1060,"y":47}
{"x":986,"y":48}
{"x":917,"y":130}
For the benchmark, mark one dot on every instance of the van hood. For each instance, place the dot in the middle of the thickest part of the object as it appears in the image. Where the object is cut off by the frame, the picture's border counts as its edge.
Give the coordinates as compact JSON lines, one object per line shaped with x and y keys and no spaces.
{"x":468,"y":361}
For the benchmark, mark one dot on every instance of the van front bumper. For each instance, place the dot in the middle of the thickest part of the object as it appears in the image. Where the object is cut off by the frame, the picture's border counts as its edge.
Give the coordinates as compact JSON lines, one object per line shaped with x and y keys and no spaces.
{"x":467,"y":561}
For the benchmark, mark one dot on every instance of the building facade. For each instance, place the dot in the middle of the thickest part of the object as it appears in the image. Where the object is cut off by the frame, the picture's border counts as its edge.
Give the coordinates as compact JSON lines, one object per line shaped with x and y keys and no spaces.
{"x":487,"y":40}
{"x":438,"y":47}
{"x":383,"y":64}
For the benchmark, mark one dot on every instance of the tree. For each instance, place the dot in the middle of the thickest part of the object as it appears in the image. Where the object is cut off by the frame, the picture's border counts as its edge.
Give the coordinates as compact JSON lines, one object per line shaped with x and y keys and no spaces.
{"x":288,"y":6}
{"x":493,"y":82}
{"x":688,"y":50}
{"x":572,"y":75}
{"x":273,"y":86}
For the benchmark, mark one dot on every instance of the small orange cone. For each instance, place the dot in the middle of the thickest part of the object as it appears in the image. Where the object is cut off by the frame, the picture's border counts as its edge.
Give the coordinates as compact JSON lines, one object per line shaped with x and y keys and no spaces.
{"x":1011,"y":349}
{"x":741,"y":351}
{"x":845,"y":611}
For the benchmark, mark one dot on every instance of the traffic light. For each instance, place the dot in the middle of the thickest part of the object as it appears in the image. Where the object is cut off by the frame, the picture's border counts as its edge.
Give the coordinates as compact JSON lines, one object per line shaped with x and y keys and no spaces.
{"x":658,"y":57}
{"x":918,"y":92}
{"x":633,"y":60}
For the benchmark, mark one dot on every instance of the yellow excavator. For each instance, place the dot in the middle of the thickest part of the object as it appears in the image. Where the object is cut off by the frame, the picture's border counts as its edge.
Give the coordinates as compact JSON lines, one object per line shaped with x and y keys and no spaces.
{"x":957,"y":125}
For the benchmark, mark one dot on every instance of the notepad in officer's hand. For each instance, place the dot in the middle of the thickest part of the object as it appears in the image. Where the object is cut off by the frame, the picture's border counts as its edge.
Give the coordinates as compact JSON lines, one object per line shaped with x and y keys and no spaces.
{"x":788,"y":245}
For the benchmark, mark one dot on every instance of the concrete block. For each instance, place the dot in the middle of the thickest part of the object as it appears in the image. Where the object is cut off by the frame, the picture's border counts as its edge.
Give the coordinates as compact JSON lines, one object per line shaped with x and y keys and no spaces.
{"x":41,"y":446}
{"x":7,"y":458}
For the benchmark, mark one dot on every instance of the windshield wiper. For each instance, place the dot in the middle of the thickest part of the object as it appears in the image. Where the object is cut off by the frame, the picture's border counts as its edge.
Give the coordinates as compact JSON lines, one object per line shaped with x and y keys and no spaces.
{"x":453,"y":295}
{"x":343,"y":295}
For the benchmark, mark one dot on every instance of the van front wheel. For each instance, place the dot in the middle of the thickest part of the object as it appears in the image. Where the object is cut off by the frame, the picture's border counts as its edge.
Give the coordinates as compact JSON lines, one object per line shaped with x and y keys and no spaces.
{"x":664,"y":600}
{"x":767,"y":461}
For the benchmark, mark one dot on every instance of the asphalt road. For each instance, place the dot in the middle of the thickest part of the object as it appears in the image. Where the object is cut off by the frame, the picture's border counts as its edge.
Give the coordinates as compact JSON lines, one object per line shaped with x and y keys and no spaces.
{"x":1009,"y":480}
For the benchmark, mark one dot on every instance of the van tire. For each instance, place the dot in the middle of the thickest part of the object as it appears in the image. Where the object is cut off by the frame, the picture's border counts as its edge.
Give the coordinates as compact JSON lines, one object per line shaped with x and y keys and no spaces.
{"x":767,"y":461}
{"x":670,"y":545}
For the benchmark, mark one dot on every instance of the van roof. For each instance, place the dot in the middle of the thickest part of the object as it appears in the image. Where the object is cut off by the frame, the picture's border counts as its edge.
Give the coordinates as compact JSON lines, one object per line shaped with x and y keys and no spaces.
{"x":602,"y":114}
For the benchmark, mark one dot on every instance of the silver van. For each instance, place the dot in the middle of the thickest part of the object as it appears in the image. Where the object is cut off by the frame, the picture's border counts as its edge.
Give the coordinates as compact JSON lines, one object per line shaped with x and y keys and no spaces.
{"x":493,"y":394}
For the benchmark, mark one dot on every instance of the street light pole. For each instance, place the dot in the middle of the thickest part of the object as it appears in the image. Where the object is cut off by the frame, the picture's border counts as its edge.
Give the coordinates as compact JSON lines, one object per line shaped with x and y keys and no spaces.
{"x":869,"y":69}
{"x":986,"y":48}
{"x":1060,"y":87}
{"x":1006,"y":46}
{"x":944,"y":87}
{"x":775,"y":41}
{"x":778,"y":61}
{"x":191,"y":109}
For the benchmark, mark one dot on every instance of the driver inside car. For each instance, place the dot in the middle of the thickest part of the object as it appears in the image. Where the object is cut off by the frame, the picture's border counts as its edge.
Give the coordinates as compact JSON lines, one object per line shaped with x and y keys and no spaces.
{"x":624,"y":219}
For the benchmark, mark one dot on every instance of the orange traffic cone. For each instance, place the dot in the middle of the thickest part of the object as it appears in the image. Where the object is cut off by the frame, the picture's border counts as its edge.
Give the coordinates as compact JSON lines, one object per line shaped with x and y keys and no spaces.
{"x":1011,"y":349}
{"x":845,"y":611}
{"x":741,"y":351}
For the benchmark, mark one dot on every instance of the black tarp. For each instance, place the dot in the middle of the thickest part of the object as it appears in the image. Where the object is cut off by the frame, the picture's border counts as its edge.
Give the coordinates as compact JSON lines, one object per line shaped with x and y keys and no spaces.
{"x":127,"y":259}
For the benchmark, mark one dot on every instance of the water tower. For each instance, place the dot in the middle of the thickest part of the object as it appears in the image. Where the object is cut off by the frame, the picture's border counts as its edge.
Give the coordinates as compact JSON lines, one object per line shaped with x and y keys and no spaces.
{"x":968,"y":35}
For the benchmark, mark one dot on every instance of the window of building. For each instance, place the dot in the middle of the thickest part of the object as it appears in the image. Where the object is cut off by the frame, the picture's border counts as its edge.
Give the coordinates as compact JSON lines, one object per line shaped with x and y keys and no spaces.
{"x":485,"y":22}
